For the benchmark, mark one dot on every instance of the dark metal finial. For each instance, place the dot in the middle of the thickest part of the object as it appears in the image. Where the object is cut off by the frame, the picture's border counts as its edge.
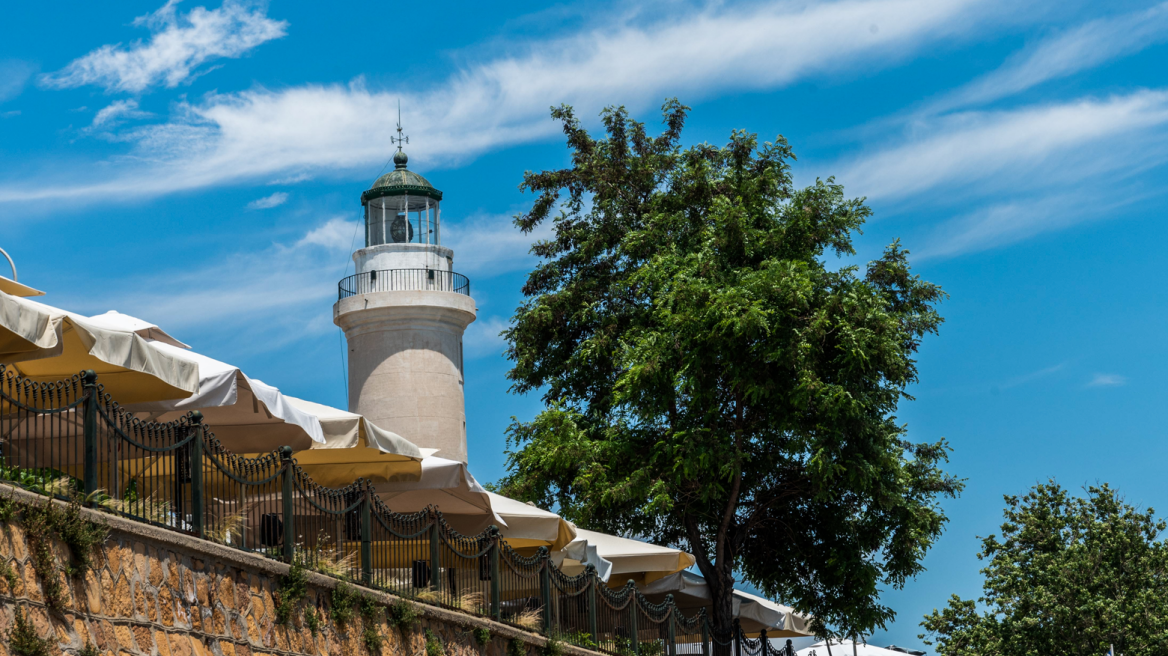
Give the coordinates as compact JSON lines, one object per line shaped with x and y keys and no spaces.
{"x":400,"y":138}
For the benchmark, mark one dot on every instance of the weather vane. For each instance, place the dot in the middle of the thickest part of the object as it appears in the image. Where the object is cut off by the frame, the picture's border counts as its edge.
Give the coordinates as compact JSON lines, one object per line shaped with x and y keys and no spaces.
{"x":399,"y":139}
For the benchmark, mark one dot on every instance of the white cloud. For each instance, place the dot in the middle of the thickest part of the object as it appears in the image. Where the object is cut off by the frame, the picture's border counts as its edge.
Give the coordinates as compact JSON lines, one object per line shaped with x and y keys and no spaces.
{"x":1032,"y":376}
{"x":179,"y":45}
{"x":1012,"y":147}
{"x":268,"y":202}
{"x":117,"y":110}
{"x":1086,"y":46}
{"x":336,"y":234}
{"x":1107,"y":380}
{"x":491,"y":245}
{"x":482,"y":338}
{"x":13,"y":74}
{"x":229,"y":138}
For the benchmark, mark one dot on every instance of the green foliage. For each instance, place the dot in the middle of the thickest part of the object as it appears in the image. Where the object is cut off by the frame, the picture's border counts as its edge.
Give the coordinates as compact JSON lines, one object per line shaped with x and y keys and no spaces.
{"x":403,"y":614}
{"x":516,"y":647}
{"x":372,"y":639}
{"x":344,"y":606}
{"x":292,"y":588}
{"x":1069,"y":575}
{"x":23,"y":639}
{"x":580,"y":639}
{"x":49,"y":520}
{"x":482,"y":636}
{"x":312,"y":620}
{"x":553,"y":646}
{"x":9,"y":574}
{"x":433,"y":644}
{"x":89,"y":650}
{"x":43,"y":480}
{"x":370,"y":609}
{"x":712,"y":381}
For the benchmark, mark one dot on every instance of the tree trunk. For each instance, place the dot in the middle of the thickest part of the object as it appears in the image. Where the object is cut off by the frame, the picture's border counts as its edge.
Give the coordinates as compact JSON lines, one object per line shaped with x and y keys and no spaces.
{"x":722,"y":612}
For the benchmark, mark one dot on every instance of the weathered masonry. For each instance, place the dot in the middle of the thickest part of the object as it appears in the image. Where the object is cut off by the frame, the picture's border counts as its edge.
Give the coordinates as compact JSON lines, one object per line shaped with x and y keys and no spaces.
{"x":154,"y":592}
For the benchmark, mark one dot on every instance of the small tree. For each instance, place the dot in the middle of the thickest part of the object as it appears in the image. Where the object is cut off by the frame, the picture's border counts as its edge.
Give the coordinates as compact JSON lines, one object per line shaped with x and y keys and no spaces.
{"x":1068,"y":576}
{"x":710,"y":382}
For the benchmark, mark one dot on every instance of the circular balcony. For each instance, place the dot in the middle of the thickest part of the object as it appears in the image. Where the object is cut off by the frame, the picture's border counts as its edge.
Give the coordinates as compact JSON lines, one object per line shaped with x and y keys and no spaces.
{"x":396,"y":280}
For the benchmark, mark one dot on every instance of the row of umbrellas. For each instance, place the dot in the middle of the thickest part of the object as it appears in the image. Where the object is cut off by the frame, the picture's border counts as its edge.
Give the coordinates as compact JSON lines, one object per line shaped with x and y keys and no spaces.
{"x":157,"y":377}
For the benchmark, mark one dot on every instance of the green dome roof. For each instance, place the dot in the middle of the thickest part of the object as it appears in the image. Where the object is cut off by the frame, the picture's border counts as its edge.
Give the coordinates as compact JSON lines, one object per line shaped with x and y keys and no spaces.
{"x":400,"y":182}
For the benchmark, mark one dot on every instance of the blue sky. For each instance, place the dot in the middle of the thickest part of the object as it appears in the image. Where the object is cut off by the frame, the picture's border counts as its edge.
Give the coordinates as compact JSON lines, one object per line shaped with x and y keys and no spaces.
{"x":201,"y":167}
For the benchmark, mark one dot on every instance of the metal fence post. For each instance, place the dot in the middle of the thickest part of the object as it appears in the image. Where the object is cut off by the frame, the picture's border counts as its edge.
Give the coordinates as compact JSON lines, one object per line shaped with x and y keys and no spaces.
{"x":763,"y":644}
{"x":737,"y":631}
{"x":435,"y":555}
{"x":89,"y":473}
{"x":705,"y":635}
{"x":289,"y":508}
{"x":367,"y":537}
{"x":545,"y":588}
{"x":197,"y":472}
{"x":635,"y":632}
{"x":496,"y":605}
{"x":593,"y":579}
{"x":671,"y":626}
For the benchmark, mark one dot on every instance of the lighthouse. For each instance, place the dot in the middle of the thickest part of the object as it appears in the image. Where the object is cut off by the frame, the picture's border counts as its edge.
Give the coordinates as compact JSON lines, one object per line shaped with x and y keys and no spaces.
{"x":404,"y":312}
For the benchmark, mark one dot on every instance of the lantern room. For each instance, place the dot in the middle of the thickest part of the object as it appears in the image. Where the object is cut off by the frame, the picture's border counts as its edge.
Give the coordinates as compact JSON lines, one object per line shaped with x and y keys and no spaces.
{"x":402,"y":207}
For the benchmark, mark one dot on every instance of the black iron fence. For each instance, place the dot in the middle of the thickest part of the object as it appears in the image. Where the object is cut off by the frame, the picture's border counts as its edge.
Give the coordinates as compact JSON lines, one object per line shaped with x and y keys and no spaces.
{"x":392,"y":280}
{"x":69,"y":437}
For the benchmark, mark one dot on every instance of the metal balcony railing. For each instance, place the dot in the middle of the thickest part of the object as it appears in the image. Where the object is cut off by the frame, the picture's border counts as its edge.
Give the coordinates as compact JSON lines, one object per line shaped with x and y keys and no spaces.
{"x":393,"y":280}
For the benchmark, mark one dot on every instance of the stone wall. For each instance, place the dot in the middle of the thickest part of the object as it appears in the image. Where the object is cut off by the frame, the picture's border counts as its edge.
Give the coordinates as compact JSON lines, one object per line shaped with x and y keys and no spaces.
{"x":154,"y":592}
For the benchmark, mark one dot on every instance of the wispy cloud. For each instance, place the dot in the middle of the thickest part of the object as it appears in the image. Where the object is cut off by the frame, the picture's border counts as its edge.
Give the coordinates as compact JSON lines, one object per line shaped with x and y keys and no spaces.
{"x":1013,"y":146}
{"x":336,"y":234}
{"x":1033,"y":376}
{"x":108,"y":115}
{"x":1107,"y":380}
{"x":13,"y":74}
{"x":482,"y":338}
{"x":228,"y":138}
{"x":268,"y":202}
{"x":178,"y":46}
{"x":1066,"y":53}
{"x":492,"y":245}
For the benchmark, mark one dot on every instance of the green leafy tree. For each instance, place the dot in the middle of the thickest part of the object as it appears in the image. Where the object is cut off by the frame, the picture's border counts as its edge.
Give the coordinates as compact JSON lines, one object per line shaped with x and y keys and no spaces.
{"x":711,"y":382}
{"x":1068,"y":576}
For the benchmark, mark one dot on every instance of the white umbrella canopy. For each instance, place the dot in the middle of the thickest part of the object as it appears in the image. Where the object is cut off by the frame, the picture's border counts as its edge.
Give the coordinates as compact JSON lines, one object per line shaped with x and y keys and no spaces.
{"x":355,"y":447}
{"x":575,"y":556}
{"x":47,"y":344}
{"x":448,"y":486}
{"x":755,"y":613}
{"x":848,"y":648}
{"x":635,"y":560}
{"x":528,"y":526}
{"x":246,"y":415}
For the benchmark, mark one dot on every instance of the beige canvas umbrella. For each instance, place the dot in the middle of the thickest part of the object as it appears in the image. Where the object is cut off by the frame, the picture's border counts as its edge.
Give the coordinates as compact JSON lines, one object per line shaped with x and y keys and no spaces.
{"x":354,"y":448}
{"x":531,"y":527}
{"x":47,"y":344}
{"x":13,"y":288}
{"x":635,"y":560}
{"x":691,"y":592}
{"x":448,"y":486}
{"x":246,"y":415}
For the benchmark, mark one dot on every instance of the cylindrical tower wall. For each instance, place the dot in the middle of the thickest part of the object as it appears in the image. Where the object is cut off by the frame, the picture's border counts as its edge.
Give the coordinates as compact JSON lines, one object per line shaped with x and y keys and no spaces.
{"x":405,"y":364}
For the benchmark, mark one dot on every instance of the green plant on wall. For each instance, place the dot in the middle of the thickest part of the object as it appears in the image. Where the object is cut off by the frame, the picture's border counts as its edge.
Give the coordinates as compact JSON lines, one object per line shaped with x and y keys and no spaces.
{"x":433,"y":644}
{"x":82,"y":536}
{"x":312,"y":620}
{"x":292,"y":588}
{"x":403,"y":614}
{"x":344,"y":605}
{"x":482,"y":636}
{"x":515,"y":647}
{"x":23,"y":639}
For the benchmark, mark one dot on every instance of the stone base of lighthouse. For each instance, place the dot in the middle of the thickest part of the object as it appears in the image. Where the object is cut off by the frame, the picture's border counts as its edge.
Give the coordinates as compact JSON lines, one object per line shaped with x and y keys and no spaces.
{"x":405,"y":364}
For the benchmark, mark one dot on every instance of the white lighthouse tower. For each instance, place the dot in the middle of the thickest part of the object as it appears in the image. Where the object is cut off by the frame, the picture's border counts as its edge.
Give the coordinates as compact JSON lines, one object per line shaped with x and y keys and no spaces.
{"x":404,"y":313}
